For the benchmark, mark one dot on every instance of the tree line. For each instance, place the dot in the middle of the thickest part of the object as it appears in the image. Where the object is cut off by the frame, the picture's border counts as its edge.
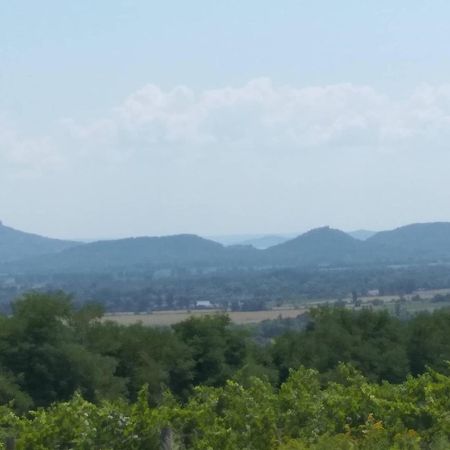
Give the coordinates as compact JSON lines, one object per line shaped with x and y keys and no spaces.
{"x":247,"y":289}
{"x":50,"y":348}
{"x":51,"y":351}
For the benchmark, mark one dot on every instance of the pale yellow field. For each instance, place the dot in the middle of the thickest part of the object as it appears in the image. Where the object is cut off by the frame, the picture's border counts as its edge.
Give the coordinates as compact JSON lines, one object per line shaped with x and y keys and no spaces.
{"x":244,"y":317}
{"x":172,"y":317}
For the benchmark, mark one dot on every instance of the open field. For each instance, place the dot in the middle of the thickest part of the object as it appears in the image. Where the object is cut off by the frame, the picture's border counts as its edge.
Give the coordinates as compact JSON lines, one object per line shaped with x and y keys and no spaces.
{"x":413,"y":307}
{"x":172,"y":317}
{"x":167,"y":318}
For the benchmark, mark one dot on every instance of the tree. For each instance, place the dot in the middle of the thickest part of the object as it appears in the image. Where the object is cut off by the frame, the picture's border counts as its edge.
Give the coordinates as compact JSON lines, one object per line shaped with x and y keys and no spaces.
{"x":41,"y":346}
{"x":217,"y":349}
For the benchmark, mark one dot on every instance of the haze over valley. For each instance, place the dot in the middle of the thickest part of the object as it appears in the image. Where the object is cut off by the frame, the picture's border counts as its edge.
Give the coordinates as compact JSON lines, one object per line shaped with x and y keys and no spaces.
{"x":179,"y":271}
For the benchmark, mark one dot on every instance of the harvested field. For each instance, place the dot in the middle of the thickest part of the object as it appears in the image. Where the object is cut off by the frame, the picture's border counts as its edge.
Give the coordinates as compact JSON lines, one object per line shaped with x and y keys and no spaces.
{"x":165,"y":318}
{"x":172,"y":317}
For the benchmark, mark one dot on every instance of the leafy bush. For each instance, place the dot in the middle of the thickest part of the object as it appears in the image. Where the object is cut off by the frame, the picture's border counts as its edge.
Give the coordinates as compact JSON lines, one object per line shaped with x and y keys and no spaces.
{"x":351,"y":413}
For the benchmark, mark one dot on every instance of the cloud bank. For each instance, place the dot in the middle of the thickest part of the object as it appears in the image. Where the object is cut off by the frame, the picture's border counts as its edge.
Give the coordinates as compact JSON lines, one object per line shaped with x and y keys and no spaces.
{"x":257,"y":117}
{"x":257,"y":147}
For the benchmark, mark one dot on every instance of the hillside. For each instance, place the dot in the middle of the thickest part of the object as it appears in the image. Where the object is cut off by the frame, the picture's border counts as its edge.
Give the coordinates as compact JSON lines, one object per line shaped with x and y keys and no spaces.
{"x":423,"y":242}
{"x":264,"y":242}
{"x":322,"y":246}
{"x":362,"y":235}
{"x":410,"y":243}
{"x":319,"y":247}
{"x":16,"y":245}
{"x":166,"y":251}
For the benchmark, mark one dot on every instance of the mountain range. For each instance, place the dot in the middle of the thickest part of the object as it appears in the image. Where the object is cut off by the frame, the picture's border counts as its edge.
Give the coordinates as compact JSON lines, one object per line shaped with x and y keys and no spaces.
{"x":16,"y":245}
{"x":263,"y":242}
{"x":320,"y":247}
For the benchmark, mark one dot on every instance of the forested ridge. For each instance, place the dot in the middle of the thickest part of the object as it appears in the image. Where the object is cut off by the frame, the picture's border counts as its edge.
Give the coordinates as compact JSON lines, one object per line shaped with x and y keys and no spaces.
{"x":349,"y":379}
{"x":324,"y":246}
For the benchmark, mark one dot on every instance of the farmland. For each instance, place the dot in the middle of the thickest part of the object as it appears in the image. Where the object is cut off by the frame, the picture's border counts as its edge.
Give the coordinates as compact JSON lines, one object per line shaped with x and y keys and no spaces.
{"x":167,"y":318}
{"x":409,"y":304}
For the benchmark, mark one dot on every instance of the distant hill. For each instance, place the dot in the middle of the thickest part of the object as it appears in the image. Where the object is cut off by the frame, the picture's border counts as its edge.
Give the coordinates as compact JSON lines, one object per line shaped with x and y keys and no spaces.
{"x":321,"y":246}
{"x":425,"y":242}
{"x":232,"y":239}
{"x":167,"y":251}
{"x":264,"y":242}
{"x":362,"y":235}
{"x":16,"y":245}
{"x":410,"y":243}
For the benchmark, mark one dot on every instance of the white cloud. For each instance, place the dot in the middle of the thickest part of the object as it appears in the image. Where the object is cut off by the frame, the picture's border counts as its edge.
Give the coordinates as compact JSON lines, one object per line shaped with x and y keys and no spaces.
{"x":21,"y":155}
{"x":233,"y":158}
{"x":256,"y":118}
{"x":260,"y":115}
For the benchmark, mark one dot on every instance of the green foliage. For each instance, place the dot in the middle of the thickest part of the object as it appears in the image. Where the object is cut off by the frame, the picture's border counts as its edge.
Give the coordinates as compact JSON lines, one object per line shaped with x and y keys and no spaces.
{"x":217,"y":349}
{"x":429,"y":343}
{"x":373,"y":342}
{"x":81,"y":425}
{"x":42,"y":348}
{"x":49,"y":349}
{"x":144,"y":355}
{"x":352,"y":413}
{"x":343,"y":382}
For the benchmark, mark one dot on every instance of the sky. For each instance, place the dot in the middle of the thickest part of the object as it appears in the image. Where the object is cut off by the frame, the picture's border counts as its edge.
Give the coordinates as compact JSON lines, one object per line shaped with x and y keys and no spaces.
{"x":125,"y":118}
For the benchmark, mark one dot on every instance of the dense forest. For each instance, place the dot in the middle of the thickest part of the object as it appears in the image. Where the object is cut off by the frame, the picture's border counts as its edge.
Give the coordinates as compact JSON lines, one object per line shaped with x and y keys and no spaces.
{"x":231,"y":289}
{"x":351,"y":379}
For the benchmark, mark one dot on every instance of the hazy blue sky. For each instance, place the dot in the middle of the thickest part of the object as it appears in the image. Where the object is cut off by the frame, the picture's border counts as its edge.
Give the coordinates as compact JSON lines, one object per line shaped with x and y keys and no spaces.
{"x":142,"y":117}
